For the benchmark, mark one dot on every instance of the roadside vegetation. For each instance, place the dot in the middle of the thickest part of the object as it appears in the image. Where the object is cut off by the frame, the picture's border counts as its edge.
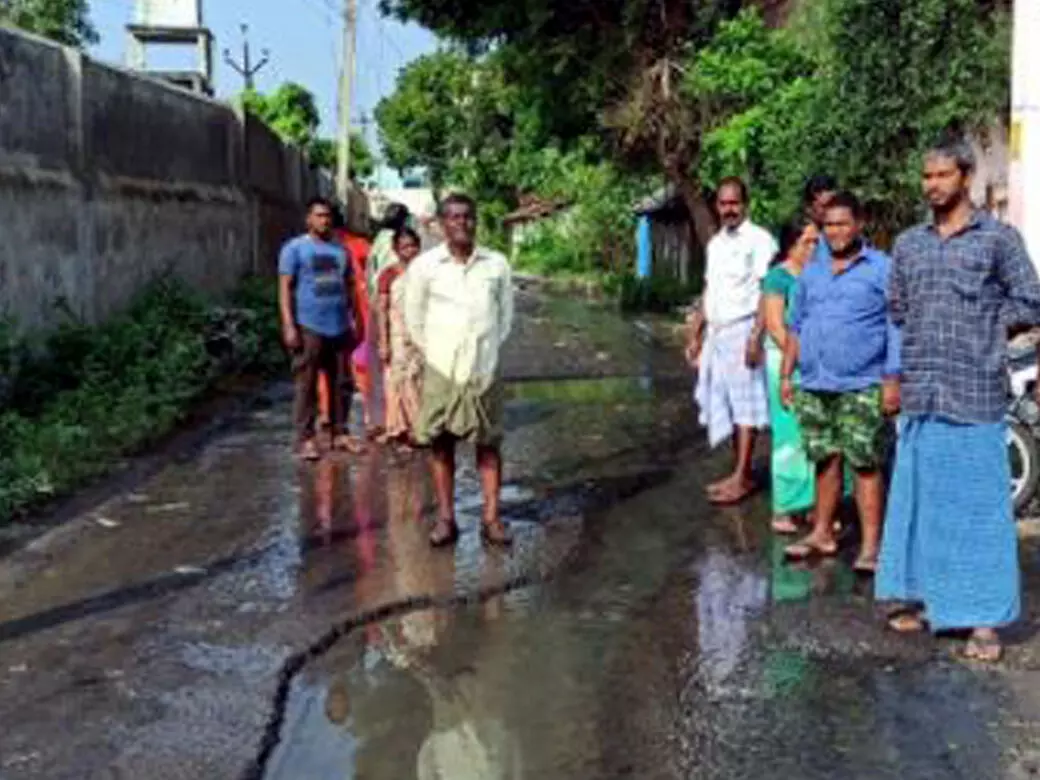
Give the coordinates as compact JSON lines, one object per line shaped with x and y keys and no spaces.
{"x":86,"y":397}
{"x":610,"y":103}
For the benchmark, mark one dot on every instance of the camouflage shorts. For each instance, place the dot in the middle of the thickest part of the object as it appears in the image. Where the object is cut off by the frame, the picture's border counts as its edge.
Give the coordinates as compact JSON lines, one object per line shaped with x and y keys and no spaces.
{"x":849,"y":424}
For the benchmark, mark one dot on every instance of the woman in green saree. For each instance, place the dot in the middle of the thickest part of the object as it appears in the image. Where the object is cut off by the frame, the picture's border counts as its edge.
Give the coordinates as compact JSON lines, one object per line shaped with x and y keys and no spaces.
{"x":793,"y":475}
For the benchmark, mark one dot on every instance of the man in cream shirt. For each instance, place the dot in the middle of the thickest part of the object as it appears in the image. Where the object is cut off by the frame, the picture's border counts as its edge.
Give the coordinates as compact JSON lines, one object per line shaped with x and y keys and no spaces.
{"x":459,"y":312}
{"x":731,"y":395}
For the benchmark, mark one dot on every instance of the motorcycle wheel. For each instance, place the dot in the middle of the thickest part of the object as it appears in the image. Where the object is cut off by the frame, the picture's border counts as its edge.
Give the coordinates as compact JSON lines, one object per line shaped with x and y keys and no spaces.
{"x":1024,"y":459}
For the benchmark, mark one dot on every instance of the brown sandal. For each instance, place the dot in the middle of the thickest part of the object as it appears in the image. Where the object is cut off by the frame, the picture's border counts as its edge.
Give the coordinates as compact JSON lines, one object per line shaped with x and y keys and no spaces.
{"x":906,"y":621}
{"x":985,"y":651}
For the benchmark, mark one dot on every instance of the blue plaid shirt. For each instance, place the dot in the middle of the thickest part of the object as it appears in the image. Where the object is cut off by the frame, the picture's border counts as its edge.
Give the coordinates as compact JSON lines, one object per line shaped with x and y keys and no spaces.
{"x":955,"y":299}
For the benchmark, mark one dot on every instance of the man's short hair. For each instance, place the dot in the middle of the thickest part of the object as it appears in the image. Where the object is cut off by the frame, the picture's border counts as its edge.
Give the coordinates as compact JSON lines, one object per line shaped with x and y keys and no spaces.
{"x":734,"y":181}
{"x":817,"y":184}
{"x":316,"y":201}
{"x":847,"y":200}
{"x":457,"y":199}
{"x":955,"y":148}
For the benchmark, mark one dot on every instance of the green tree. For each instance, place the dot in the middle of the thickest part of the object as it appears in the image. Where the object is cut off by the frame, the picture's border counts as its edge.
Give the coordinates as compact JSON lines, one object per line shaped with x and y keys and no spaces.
{"x":612,"y":67}
{"x":461,"y":121}
{"x":428,"y":121}
{"x":291,"y":111}
{"x":762,"y":85}
{"x":64,"y":21}
{"x":322,"y":153}
{"x":900,"y":73}
{"x":867,"y":87}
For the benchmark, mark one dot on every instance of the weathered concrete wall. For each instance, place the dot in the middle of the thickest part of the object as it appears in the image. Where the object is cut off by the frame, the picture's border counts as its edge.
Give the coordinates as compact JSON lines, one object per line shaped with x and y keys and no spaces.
{"x":109,"y":179}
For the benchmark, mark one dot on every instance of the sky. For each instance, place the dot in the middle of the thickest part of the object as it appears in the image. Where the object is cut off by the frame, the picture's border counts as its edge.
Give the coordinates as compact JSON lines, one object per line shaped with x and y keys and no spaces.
{"x":303,"y":37}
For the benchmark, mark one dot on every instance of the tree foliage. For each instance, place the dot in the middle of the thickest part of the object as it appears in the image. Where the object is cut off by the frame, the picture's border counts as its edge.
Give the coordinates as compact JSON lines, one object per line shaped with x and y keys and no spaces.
{"x":423,"y":124}
{"x":292,"y":113}
{"x":323,"y":153}
{"x":695,"y":90}
{"x":64,"y":21}
{"x":610,"y":66}
{"x":878,"y":83}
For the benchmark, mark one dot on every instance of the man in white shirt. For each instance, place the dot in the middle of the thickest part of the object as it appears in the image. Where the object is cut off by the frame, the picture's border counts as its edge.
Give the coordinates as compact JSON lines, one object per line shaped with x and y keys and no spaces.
{"x":459,"y":311}
{"x":731,"y":395}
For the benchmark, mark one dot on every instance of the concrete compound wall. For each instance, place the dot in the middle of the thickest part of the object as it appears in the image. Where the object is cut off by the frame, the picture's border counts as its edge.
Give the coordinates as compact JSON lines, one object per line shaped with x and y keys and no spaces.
{"x":109,"y":179}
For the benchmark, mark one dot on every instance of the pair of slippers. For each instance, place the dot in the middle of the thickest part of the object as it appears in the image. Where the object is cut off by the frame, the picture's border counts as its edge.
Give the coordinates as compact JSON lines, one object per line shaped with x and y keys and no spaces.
{"x":907,"y":620}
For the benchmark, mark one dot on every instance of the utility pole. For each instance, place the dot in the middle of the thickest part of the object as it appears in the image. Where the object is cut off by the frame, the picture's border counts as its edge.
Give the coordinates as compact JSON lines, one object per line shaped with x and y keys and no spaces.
{"x":346,"y":90}
{"x":1024,"y":179}
{"x":366,"y":123}
{"x":246,"y":69}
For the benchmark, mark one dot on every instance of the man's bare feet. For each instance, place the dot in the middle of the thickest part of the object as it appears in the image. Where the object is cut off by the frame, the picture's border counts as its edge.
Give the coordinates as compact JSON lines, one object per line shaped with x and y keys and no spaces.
{"x":815,"y":545}
{"x":444,"y":533}
{"x":718,"y":485}
{"x":984,"y":646}
{"x":495,"y":533}
{"x":866,"y":562}
{"x":344,"y":443}
{"x":785,"y":525}
{"x":309,"y":450}
{"x":737,"y":489}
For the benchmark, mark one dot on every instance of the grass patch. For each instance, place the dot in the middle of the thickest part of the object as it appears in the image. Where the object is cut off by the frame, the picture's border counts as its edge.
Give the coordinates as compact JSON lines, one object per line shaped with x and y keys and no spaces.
{"x":88,"y":396}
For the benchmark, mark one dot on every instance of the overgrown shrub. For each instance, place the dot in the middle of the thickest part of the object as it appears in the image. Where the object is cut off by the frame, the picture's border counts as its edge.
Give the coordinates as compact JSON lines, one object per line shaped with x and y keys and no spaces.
{"x":94,"y":394}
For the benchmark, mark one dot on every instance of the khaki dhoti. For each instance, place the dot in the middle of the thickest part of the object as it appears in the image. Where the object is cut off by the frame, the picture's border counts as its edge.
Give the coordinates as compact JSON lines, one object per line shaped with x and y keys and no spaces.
{"x":472,"y":411}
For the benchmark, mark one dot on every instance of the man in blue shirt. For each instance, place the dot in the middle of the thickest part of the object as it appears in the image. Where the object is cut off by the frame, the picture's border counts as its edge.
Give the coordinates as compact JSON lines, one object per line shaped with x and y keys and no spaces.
{"x":847,"y":349}
{"x":316,"y":303}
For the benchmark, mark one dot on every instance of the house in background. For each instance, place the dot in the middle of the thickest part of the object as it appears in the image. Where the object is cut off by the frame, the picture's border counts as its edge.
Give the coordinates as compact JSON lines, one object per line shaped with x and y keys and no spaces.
{"x":666,"y":239}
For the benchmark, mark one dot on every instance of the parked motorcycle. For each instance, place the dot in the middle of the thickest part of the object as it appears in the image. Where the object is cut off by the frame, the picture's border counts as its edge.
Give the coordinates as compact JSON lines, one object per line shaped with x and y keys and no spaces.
{"x":1023,"y":419}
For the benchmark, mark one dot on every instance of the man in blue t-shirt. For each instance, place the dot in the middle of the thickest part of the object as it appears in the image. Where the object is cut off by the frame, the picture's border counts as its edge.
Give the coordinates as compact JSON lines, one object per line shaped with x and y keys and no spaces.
{"x":316,"y":302}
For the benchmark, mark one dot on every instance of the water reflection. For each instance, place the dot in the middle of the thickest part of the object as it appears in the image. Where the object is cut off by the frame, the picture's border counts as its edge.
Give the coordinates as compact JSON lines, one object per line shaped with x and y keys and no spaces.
{"x":794,"y":582}
{"x":731,"y":591}
{"x":418,"y":696}
{"x":425,"y":702}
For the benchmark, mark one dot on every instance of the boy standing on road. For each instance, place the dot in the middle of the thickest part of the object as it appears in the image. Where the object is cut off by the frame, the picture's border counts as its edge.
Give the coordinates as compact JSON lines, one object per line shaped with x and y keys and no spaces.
{"x":459,"y":312}
{"x":959,"y":281}
{"x":847,"y":349}
{"x":316,"y":306}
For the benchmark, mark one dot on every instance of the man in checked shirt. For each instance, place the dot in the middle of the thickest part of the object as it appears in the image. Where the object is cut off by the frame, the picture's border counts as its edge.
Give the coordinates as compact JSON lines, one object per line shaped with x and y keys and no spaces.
{"x":949,"y":556}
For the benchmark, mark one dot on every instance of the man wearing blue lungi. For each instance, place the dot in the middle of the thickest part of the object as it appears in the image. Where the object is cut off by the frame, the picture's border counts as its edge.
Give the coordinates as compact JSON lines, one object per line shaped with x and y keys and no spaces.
{"x":949,"y":551}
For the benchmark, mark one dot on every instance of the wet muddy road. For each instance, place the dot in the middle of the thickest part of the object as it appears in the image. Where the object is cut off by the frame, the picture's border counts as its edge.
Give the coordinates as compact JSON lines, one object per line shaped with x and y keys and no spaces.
{"x":242,"y":616}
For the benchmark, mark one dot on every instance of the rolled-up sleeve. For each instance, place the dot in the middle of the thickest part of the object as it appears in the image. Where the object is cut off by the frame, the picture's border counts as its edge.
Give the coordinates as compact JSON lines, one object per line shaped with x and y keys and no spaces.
{"x":1019,"y":280}
{"x":416,"y":297}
